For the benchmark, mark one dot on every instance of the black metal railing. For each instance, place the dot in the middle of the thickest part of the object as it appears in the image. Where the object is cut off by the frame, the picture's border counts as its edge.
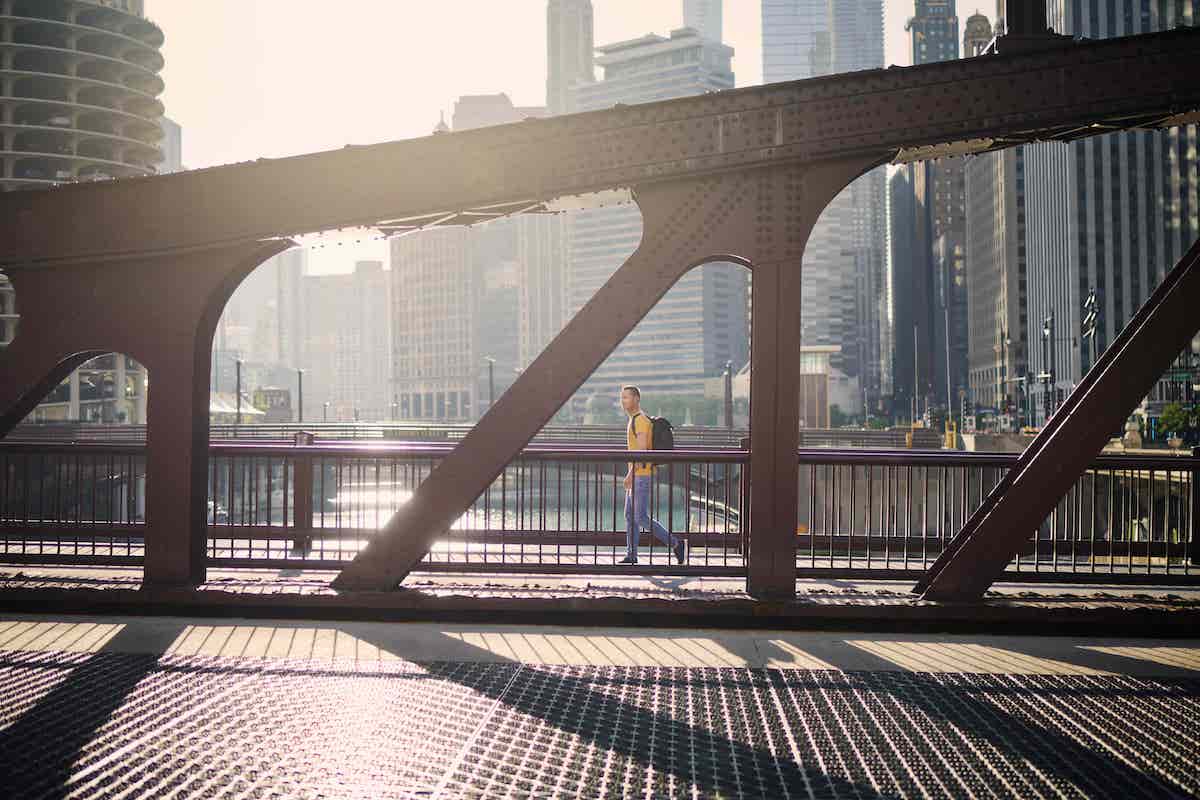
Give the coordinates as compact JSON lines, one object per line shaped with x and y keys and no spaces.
{"x":553,"y":509}
{"x":561,"y":508}
{"x":72,"y":504}
{"x":889,"y":513}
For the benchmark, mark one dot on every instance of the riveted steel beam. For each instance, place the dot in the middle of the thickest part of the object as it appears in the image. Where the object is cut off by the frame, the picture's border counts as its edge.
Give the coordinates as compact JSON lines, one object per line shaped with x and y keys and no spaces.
{"x":874,"y":114}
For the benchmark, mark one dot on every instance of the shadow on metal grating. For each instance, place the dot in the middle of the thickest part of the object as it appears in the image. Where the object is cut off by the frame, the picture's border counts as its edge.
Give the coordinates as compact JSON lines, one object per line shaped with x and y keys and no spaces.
{"x":116,"y":724}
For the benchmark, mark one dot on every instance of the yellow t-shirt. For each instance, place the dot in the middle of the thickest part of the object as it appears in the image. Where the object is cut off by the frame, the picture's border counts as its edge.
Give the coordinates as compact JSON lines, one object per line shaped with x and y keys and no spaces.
{"x":639,"y":424}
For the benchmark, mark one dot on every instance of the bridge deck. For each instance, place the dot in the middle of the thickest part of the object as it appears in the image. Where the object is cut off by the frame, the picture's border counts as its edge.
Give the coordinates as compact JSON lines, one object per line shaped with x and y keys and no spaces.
{"x":145,"y":707}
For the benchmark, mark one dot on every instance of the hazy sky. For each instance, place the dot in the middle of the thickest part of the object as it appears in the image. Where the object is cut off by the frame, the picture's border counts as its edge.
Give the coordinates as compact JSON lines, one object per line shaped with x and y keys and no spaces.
{"x":251,"y":78}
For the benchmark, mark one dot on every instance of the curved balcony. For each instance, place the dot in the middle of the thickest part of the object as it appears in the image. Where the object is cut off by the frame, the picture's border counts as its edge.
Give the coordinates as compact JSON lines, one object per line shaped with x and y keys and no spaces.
{"x":61,"y":167}
{"x":57,"y":33}
{"x":58,"y":113}
{"x":25,"y":137}
{"x":140,"y":28}
{"x":90,"y":92}
{"x":152,"y":82}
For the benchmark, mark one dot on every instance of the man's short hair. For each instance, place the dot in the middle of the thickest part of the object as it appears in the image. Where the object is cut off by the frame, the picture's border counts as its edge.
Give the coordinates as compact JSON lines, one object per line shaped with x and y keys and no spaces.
{"x":629,"y":387}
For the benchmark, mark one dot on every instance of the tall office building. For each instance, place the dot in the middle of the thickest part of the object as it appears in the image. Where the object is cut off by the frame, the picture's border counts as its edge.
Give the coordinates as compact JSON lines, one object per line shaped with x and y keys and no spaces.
{"x":997,"y":305}
{"x":1109,"y":213}
{"x":464,"y":296}
{"x":435,"y":365}
{"x":996,"y":282}
{"x":705,"y":17}
{"x":806,"y":39}
{"x":977,"y":34}
{"x":907,"y":385}
{"x":290,"y":267}
{"x":542,"y":265}
{"x":172,"y":146}
{"x":934,"y":31}
{"x":935,"y":290}
{"x":250,"y":311}
{"x":347,"y":343}
{"x":701,"y":323}
{"x":569,"y":52}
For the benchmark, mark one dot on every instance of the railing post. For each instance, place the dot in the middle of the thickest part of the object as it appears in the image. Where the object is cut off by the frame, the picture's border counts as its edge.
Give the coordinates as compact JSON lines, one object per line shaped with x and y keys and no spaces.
{"x":302,"y":494}
{"x":1193,"y":526}
{"x":744,"y":500}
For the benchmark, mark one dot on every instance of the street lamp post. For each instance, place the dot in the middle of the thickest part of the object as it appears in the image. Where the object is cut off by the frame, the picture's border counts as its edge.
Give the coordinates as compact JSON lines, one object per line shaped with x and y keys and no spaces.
{"x":325,"y":412}
{"x":1047,"y":373}
{"x":491,"y":364}
{"x":729,"y":395}
{"x":300,"y":394}
{"x":949,"y":400}
{"x":238,"y":390}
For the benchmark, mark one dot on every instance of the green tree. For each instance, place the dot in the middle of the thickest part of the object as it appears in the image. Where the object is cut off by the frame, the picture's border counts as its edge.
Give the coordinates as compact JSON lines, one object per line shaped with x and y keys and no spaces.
{"x":837,"y":417}
{"x":1174,"y":420}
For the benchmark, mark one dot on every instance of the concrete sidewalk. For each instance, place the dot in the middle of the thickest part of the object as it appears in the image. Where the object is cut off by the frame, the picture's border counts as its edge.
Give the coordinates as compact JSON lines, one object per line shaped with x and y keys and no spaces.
{"x":624,"y":647}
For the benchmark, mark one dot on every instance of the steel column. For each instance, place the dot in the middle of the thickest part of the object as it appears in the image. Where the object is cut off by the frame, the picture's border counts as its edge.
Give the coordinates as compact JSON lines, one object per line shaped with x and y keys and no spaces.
{"x":774,"y":430}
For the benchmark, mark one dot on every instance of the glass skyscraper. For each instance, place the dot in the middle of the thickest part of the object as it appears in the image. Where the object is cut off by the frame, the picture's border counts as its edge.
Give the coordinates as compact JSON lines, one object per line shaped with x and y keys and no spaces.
{"x":929,"y":280}
{"x":1108,"y":213}
{"x":569,"y":54}
{"x":845,"y":296}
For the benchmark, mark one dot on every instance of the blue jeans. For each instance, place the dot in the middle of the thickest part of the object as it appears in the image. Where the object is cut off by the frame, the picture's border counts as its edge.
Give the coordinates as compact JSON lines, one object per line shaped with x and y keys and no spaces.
{"x":637,"y":516}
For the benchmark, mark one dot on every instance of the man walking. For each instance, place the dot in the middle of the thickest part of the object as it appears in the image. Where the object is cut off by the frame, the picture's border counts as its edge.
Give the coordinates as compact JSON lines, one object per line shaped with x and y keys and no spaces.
{"x":638,"y":478}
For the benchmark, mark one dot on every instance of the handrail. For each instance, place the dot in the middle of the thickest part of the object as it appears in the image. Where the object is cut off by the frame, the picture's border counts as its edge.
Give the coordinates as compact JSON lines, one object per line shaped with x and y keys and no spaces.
{"x":606,"y":452}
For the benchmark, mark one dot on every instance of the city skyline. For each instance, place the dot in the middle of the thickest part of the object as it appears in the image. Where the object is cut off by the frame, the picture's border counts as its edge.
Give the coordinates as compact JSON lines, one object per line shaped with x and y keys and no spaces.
{"x":297,"y":103}
{"x":194,"y":95}
{"x":850,"y":295}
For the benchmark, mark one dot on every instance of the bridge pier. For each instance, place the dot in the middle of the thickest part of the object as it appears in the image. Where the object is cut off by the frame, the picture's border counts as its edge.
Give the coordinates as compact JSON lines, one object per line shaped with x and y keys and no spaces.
{"x":76,"y":310}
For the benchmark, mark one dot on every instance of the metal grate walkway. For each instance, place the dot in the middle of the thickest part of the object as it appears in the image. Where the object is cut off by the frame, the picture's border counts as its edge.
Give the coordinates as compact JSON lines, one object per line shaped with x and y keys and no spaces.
{"x":130,"y":725}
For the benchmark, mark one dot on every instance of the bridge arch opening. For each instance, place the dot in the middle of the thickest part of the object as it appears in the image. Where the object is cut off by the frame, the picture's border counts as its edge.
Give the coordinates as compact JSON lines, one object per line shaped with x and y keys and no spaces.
{"x":260,"y":344}
{"x":689,"y":355}
{"x":87,"y":500}
{"x":562,"y":500}
{"x":96,"y":388}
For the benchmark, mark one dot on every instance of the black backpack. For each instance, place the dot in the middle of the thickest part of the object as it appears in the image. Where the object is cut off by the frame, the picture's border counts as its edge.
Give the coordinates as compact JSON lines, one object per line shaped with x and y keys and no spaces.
{"x":662,"y":433}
